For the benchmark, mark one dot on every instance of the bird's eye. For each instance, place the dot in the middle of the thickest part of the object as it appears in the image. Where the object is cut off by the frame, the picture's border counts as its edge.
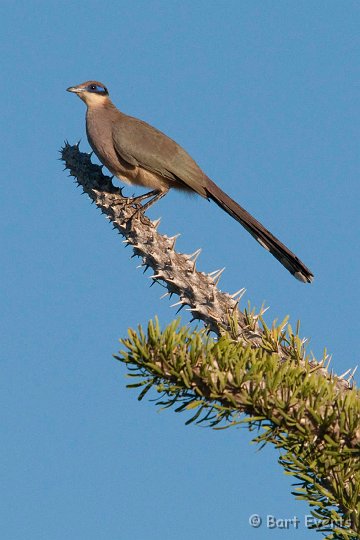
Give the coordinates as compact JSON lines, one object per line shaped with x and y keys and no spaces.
{"x":97,"y":89}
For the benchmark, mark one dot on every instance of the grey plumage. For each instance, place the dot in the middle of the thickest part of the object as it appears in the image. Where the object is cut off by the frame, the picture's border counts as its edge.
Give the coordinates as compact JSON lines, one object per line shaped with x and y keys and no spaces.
{"x":140,"y":154}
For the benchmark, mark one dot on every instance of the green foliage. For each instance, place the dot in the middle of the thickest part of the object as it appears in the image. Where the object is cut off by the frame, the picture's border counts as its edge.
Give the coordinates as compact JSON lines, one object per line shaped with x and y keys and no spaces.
{"x":223,"y":383}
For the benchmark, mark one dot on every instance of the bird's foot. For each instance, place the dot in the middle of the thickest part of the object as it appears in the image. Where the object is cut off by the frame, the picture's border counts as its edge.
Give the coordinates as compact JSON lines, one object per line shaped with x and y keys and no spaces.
{"x":140,"y":198}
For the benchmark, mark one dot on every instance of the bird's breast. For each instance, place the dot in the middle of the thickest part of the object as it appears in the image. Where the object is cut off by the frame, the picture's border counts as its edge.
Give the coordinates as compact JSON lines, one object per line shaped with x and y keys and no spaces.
{"x":99,"y":134}
{"x":99,"y":130}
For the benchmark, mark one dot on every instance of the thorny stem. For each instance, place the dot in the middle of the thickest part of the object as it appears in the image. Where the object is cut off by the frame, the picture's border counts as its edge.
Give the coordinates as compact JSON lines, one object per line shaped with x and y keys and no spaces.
{"x":176,"y":271}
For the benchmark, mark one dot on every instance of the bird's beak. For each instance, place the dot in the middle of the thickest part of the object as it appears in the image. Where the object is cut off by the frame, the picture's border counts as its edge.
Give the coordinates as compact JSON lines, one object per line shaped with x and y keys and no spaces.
{"x":75,"y":89}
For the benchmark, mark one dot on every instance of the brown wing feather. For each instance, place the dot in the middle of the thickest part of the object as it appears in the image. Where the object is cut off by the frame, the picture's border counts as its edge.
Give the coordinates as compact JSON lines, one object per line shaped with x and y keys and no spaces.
{"x":139,"y":143}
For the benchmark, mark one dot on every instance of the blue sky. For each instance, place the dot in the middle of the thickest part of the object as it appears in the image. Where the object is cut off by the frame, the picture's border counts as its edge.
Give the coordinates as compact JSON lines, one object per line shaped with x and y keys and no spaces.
{"x":265,"y":96}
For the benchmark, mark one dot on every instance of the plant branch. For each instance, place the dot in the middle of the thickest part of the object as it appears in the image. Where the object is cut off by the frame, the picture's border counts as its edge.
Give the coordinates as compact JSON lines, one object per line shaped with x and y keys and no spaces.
{"x":178,"y":274}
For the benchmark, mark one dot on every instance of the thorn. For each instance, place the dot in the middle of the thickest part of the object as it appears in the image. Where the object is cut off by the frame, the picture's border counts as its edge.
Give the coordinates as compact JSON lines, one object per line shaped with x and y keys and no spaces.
{"x":352,"y":374}
{"x":217,"y":275}
{"x":164,"y":295}
{"x":212,"y":273}
{"x":173,"y":239}
{"x":155,"y":277}
{"x":180,"y":308}
{"x":328,"y":359}
{"x":156,"y":223}
{"x":344,"y":374}
{"x":194,"y":255}
{"x":239,"y":293}
{"x":177,"y":303}
{"x":146,"y":267}
{"x":78,"y":143}
{"x":264,"y":310}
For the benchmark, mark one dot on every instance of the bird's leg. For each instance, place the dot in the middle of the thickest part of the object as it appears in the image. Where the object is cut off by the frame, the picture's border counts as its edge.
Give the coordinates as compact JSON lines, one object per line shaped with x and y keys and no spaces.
{"x":157,"y":196}
{"x":145,"y":196}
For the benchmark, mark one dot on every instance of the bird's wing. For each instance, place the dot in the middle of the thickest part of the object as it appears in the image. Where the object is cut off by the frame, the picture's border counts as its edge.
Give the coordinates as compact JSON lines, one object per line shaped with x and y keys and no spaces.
{"x":140,"y":144}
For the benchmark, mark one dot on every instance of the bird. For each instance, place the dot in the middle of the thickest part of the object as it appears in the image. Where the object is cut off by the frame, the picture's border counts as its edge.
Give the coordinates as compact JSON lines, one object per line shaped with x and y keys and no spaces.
{"x":139,"y":154}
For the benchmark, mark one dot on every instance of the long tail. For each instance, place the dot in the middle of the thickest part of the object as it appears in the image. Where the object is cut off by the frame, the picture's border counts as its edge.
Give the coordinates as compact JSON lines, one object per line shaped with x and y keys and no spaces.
{"x":258,"y":231}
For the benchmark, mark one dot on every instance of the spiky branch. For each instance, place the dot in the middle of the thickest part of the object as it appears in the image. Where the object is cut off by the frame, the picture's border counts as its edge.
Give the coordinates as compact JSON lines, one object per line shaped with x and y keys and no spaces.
{"x":263,"y":372}
{"x":177,"y":271}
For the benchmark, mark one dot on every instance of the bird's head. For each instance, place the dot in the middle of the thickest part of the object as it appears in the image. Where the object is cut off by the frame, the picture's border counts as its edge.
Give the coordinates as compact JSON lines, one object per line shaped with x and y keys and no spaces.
{"x":93,"y":93}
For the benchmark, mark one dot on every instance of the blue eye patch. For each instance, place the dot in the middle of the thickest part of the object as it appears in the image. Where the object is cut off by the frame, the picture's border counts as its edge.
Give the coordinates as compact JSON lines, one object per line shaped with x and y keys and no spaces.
{"x":95,"y":88}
